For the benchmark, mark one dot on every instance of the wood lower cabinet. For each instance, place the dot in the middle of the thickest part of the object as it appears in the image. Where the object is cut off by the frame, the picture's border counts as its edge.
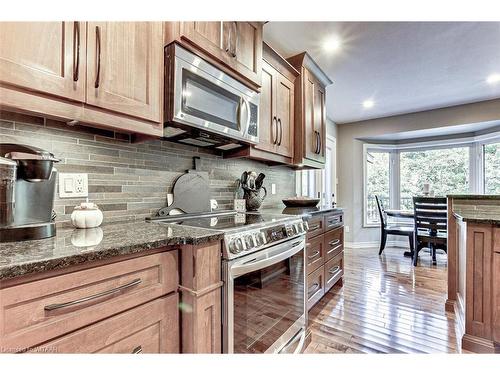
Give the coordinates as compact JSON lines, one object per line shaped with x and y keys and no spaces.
{"x":234,"y":46}
{"x":310,"y":112}
{"x":47,"y":57}
{"x":324,"y":254}
{"x":150,"y":328}
{"x":42,"y":310}
{"x":125,"y":68}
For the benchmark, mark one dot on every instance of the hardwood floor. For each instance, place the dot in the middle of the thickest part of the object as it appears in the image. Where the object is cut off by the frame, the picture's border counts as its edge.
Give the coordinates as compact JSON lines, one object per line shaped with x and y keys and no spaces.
{"x":385,"y":306}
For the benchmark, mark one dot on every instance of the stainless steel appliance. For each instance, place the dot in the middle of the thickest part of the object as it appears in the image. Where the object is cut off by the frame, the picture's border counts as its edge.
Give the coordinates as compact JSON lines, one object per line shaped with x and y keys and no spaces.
{"x":264,"y":299}
{"x":204,"y":106}
{"x":27,"y":188}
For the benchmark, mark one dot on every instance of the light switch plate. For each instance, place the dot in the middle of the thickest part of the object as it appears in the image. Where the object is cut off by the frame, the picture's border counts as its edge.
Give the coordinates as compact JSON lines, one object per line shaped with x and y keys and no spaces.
{"x":73,"y":185}
{"x":273,"y":188}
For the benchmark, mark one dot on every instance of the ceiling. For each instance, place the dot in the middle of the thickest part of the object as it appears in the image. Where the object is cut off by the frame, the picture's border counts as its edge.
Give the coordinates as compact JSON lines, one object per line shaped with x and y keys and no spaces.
{"x":403,"y":67}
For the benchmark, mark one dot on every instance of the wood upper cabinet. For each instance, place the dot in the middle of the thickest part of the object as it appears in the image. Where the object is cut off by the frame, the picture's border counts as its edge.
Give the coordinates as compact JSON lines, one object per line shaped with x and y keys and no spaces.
{"x":267,"y":110}
{"x":47,"y":57}
{"x":235,"y":47}
{"x":285,"y":115}
{"x":310,"y":112}
{"x":125,"y":67}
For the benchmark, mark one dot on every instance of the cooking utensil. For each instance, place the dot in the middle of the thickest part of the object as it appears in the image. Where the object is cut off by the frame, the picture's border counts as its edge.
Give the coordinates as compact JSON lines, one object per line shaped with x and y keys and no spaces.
{"x":301,"y":202}
{"x":191,"y":192}
{"x":259,"y":180}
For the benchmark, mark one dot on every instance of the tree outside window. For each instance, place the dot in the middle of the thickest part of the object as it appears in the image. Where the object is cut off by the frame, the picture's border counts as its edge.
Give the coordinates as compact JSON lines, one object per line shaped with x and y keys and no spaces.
{"x":491,"y":154}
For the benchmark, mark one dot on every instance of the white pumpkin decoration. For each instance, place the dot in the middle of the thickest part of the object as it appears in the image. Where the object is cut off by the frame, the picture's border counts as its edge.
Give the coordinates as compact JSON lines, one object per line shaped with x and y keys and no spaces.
{"x":86,"y":215}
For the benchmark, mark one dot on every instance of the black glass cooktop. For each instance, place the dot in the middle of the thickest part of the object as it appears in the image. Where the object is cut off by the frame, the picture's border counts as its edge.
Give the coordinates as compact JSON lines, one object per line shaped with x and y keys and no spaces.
{"x":226,"y":222}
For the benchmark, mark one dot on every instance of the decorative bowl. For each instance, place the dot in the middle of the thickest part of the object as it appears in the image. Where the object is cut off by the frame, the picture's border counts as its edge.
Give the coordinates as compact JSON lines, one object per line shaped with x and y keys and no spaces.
{"x":301,"y":202}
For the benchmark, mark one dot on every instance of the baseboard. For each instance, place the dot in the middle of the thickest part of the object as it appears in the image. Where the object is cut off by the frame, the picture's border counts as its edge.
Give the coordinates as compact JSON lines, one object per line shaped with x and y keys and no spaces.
{"x":478,"y":345}
{"x":370,"y":244}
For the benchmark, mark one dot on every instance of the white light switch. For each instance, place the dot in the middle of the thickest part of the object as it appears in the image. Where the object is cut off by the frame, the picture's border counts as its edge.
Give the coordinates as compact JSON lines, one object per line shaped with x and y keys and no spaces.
{"x":273,"y":188}
{"x":73,"y":185}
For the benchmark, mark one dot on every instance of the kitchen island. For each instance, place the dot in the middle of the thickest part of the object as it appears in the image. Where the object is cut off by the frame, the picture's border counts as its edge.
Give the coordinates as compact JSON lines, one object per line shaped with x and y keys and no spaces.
{"x":474,"y":269}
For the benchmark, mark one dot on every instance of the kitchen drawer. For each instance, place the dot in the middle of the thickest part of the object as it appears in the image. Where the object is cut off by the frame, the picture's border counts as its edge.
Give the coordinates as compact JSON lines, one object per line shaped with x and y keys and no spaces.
{"x":334,"y":270}
{"x":41,"y":310}
{"x":316,"y":226}
{"x":315,"y":286}
{"x":315,"y":253}
{"x":334,"y":243}
{"x":149,"y":328}
{"x":333,"y":220}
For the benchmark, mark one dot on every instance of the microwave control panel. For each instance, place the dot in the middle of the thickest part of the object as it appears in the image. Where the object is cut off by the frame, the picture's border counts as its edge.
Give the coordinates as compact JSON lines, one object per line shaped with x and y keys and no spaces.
{"x":254,"y":116}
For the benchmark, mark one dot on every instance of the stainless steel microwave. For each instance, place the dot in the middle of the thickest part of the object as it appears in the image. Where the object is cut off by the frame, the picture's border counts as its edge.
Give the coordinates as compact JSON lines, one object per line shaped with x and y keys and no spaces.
{"x":206,"y":107}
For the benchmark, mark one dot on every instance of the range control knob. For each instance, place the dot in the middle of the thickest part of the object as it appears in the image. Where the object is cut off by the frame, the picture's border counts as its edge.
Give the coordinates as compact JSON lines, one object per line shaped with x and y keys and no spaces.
{"x":235,"y":245}
{"x":249,"y":241}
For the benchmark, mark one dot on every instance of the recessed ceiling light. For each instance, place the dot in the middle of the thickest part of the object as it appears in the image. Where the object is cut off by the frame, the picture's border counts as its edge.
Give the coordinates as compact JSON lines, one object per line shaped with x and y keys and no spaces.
{"x":493,"y":78}
{"x":332,"y":44}
{"x":368,"y":103}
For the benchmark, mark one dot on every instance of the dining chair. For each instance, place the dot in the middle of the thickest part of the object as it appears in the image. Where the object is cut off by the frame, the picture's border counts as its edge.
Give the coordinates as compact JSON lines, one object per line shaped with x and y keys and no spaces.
{"x":386,"y":228}
{"x":430,"y":225}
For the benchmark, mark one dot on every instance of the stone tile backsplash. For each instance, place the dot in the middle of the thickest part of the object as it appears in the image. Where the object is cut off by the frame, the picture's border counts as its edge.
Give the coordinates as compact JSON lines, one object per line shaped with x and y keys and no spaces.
{"x":131,"y":180}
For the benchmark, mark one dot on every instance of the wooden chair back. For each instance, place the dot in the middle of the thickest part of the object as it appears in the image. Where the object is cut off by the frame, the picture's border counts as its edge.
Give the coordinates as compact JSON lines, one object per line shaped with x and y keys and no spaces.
{"x":430,"y":215}
{"x":381,"y":212}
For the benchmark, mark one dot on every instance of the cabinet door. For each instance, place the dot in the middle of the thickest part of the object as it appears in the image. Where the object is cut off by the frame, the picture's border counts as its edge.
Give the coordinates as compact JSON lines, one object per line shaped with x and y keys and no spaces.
{"x":285,"y":115}
{"x":209,"y":36}
{"x":44,"y":56}
{"x":314,"y":118}
{"x":125,"y":67}
{"x":267,"y":110}
{"x":247,"y":50}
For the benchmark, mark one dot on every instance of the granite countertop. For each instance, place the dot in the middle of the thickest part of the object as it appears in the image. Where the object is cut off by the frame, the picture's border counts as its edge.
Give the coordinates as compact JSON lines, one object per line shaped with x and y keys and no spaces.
{"x":474,"y":196}
{"x":479,"y":217}
{"x":76,"y":246}
{"x":301,"y":211}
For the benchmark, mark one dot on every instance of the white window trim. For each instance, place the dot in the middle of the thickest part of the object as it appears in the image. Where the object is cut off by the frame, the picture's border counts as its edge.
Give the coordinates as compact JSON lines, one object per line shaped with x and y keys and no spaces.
{"x":476,"y":164}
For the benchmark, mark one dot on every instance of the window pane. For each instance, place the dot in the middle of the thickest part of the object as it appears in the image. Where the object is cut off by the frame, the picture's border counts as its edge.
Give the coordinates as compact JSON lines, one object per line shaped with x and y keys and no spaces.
{"x":492,"y":168}
{"x":377,"y":183}
{"x":446,"y":170}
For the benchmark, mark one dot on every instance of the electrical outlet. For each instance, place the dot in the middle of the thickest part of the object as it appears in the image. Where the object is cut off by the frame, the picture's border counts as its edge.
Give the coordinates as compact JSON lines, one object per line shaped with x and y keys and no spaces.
{"x":346,"y":228}
{"x":273,"y":188}
{"x":73,"y":185}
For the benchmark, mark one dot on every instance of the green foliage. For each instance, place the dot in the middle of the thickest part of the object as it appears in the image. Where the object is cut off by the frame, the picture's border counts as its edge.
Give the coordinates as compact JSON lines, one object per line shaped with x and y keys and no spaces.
{"x":492,"y":168}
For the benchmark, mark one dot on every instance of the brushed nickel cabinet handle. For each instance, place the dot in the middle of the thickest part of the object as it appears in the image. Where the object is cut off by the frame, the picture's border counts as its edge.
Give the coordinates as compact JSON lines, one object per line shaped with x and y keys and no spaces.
{"x":334,"y":242}
{"x":233,"y":53}
{"x":98,"y":55}
{"x":275,"y":122}
{"x":320,"y":143}
{"x":281,"y":132}
{"x":62,"y":305}
{"x":334,"y":270}
{"x":313,"y":289}
{"x":314,"y":227}
{"x":137,"y":350}
{"x":314,"y":255}
{"x":228,"y":43}
{"x":76,"y":50}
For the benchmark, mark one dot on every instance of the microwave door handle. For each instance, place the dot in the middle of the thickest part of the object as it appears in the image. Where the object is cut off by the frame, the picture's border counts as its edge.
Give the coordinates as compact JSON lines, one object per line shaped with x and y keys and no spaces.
{"x":244,"y":125}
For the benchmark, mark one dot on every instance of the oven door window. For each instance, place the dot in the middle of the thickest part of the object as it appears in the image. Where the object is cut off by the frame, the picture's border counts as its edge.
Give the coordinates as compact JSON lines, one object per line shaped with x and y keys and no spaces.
{"x":205,"y":100}
{"x":266,"y":304}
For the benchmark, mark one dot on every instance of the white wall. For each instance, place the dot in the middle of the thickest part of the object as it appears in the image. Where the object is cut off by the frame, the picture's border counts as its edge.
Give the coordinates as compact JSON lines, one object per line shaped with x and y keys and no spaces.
{"x":350,"y":153}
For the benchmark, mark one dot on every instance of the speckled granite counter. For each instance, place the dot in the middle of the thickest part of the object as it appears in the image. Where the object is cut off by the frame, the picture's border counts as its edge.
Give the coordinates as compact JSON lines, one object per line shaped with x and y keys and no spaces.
{"x":483,"y":209}
{"x":301,"y":211}
{"x":76,"y":246}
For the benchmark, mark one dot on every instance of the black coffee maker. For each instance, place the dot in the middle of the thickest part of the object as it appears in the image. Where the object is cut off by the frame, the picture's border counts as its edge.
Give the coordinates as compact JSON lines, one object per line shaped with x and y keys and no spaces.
{"x":27,"y":189}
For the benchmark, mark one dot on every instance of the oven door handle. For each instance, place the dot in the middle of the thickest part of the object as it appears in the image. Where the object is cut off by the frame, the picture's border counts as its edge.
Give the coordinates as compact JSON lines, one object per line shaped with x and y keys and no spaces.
{"x":255,"y":264}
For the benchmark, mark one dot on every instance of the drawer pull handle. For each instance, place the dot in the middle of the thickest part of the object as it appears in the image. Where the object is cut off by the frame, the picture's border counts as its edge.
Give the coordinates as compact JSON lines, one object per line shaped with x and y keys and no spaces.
{"x":57,"y":306}
{"x":314,"y":227}
{"x":334,"y":242}
{"x":334,"y":270}
{"x":313,"y":255}
{"x":137,"y":350}
{"x":313,"y":289}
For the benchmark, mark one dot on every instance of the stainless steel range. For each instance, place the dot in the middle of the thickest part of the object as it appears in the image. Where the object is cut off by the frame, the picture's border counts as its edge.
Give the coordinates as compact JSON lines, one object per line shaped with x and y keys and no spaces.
{"x":264,"y":299}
